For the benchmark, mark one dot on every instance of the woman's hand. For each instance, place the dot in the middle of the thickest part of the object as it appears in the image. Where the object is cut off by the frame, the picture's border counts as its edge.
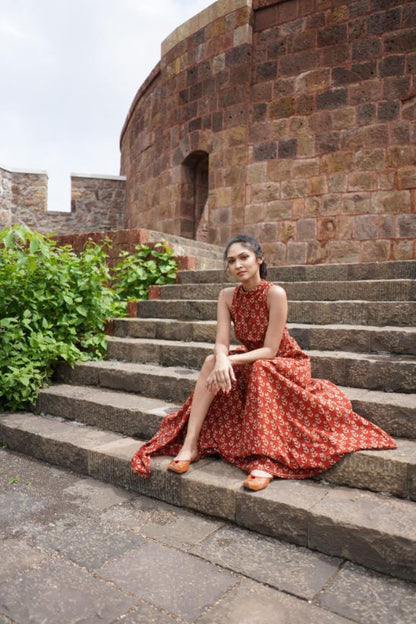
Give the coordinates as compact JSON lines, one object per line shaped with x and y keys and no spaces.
{"x":222,"y":376}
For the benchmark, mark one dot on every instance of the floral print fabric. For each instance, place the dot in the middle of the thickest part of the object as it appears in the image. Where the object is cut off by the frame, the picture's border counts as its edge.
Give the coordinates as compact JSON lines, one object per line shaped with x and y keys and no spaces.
{"x":276,"y":418}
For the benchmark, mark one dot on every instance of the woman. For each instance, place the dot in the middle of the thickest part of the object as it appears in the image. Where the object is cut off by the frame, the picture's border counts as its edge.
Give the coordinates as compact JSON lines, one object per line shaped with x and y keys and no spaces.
{"x":257,"y":405}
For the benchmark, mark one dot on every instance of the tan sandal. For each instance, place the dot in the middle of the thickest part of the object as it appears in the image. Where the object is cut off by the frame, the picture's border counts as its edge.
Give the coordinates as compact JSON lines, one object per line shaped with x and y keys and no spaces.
{"x":256,"y":483}
{"x":181,"y":465}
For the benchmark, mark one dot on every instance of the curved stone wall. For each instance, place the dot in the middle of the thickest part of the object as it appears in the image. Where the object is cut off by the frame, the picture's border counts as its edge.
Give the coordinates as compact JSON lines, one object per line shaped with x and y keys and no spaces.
{"x":304,"y":111}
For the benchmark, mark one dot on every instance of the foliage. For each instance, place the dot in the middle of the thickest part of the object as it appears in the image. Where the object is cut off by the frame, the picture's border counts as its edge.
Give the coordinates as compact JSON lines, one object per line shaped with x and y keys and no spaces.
{"x":53,"y":306}
{"x":146,"y":266}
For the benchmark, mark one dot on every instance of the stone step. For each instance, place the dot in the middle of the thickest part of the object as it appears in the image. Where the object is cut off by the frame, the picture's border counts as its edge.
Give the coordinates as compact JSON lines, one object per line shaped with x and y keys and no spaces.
{"x":356,"y":338}
{"x":207,"y":256}
{"x":360,"y":370}
{"x":394,"y":412}
{"x":392,"y":472}
{"x":330,"y":519}
{"x":405,"y":269}
{"x":378,"y":313}
{"x":368,"y":290}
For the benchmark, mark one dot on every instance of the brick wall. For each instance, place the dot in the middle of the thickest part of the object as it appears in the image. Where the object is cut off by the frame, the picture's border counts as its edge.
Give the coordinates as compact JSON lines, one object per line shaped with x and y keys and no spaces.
{"x":306,"y":109}
{"x":97,"y":202}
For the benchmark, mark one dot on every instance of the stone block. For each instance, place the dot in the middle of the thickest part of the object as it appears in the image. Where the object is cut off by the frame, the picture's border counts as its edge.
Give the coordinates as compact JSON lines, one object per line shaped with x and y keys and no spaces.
{"x":362,"y":181}
{"x":306,"y":229}
{"x":383,"y":540}
{"x":391,"y":202}
{"x":406,"y":177}
{"x":282,"y":511}
{"x":297,"y":252}
{"x":344,"y":251}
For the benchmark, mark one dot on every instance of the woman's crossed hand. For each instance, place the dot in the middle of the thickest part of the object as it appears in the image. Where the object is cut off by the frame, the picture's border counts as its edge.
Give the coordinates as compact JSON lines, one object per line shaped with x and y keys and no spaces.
{"x":222,"y":375}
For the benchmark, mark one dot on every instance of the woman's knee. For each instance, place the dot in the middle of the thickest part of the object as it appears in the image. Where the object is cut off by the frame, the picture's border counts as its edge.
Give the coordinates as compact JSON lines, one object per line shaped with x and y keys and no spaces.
{"x":208,"y":364}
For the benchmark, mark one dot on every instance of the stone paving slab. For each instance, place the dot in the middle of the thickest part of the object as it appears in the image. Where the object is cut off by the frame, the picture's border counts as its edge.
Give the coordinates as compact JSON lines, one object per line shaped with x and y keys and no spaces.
{"x":253,"y":604}
{"x":61,"y":592}
{"x":369,"y":597}
{"x":333,"y":520}
{"x":229,"y":577}
{"x":170,"y":579}
{"x":290,"y":568}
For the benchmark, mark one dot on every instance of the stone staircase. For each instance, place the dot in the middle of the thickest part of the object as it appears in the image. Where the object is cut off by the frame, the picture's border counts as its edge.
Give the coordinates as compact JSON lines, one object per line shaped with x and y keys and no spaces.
{"x":357,"y":322}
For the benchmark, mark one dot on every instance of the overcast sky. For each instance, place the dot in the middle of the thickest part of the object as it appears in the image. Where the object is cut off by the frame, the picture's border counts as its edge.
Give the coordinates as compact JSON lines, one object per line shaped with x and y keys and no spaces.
{"x":69,"y":70}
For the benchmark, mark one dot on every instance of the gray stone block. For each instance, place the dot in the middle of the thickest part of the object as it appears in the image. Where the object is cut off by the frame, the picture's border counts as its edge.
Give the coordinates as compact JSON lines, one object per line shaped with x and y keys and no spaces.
{"x":290,"y":568}
{"x":372,"y":530}
{"x":169,"y":579}
{"x":365,"y":596}
{"x":211,"y":487}
{"x":282,"y":510}
{"x":251,"y":600}
{"x":379,"y":471}
{"x":64,"y":593}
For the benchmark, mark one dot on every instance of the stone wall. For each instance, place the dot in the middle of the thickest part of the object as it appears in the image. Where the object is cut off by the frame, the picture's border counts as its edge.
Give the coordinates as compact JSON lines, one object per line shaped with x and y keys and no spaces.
{"x":305,"y":110}
{"x":97,"y":202}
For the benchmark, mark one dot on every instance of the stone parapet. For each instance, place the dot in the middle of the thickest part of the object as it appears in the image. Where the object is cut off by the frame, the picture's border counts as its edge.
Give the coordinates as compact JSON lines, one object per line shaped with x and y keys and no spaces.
{"x":97,"y":202}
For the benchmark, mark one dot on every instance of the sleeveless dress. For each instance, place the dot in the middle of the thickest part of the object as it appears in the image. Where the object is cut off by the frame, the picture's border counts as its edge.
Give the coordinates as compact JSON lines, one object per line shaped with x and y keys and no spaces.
{"x":276,"y":418}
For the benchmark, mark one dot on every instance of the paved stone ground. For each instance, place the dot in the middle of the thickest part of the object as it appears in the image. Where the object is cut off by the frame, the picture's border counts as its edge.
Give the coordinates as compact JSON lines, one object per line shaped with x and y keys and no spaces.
{"x":77,"y":550}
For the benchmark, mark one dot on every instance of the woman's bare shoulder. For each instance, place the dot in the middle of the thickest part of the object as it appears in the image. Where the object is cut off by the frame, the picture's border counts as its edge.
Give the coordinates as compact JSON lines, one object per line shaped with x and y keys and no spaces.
{"x":226,"y":294}
{"x":277,"y":293}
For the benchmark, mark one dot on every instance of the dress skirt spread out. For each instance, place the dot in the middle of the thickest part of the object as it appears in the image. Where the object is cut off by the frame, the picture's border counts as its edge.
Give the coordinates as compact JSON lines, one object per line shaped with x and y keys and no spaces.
{"x":276,"y":418}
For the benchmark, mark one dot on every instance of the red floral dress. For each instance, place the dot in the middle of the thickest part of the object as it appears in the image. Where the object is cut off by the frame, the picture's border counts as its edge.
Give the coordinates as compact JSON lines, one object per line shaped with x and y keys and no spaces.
{"x":277,"y":417}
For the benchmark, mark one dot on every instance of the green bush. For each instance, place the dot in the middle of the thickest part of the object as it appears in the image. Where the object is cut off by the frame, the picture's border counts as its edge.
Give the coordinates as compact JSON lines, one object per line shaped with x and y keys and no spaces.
{"x":53,"y":306}
{"x":135,"y":272}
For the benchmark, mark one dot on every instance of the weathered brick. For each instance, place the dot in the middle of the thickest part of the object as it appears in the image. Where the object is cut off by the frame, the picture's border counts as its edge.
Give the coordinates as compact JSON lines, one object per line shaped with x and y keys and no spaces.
{"x":388,"y":110}
{"x":297,"y":253}
{"x":371,"y":136}
{"x":286,"y":231}
{"x":397,"y":87}
{"x":276,"y":48}
{"x":343,"y":117}
{"x":375,"y":251}
{"x":293,"y":188}
{"x":362,"y":181}
{"x":317,"y":185}
{"x":344,"y":251}
{"x":368,"y":91}
{"x":306,"y":229}
{"x":326,"y":229}
{"x":332,"y":35}
{"x":278,"y":170}
{"x":357,"y":29}
{"x":265,"y":192}
{"x":287,"y":148}
{"x":392,"y":65}
{"x":305,"y":104}
{"x":401,"y":155}
{"x":256,"y":172}
{"x":283,"y":107}
{"x":385,"y":21}
{"x":338,"y":162}
{"x":402,"y":41}
{"x":328,"y":142}
{"x":332,"y":98}
{"x":279,"y":209}
{"x":337,"y":15}
{"x":305,"y":168}
{"x":337,"y":183}
{"x":406,"y":177}
{"x":402,"y":250}
{"x":333,"y":55}
{"x":409,"y":15}
{"x":407,"y":225}
{"x":265,"y":151}
{"x":366,"y":113}
{"x":267,"y":71}
{"x":366,"y":49}
{"x":366,"y":226}
{"x":391,"y":202}
{"x":366,"y":159}
{"x":300,"y":41}
{"x":296,"y":63}
{"x":313,"y":79}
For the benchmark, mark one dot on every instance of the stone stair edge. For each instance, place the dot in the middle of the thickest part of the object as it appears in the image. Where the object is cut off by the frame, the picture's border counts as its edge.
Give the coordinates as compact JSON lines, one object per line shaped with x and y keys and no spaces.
{"x":393,"y":411}
{"x":327,"y":518}
{"x":402,"y":269}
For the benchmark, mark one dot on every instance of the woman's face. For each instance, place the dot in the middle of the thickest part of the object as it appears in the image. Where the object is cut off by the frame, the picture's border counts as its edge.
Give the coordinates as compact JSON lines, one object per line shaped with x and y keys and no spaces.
{"x":242,"y":262}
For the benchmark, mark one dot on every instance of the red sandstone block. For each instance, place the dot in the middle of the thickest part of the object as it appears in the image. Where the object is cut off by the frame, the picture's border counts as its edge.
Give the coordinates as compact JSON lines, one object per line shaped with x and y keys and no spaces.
{"x":336,"y":54}
{"x":375,"y":251}
{"x":299,"y":62}
{"x":406,"y":177}
{"x":154,"y":292}
{"x":344,"y":251}
{"x":366,"y":49}
{"x":402,"y":250}
{"x":132,"y":309}
{"x":297,"y":253}
{"x":288,"y":10}
{"x":265,"y":18}
{"x":402,"y":41}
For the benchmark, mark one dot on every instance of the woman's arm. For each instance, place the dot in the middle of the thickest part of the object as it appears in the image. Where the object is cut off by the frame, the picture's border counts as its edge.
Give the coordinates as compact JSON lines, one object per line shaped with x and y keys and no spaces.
{"x":222,"y":375}
{"x":277,"y":301}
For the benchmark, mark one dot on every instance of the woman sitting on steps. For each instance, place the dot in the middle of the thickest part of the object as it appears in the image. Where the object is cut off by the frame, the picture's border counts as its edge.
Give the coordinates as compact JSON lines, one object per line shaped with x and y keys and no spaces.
{"x":257,"y":405}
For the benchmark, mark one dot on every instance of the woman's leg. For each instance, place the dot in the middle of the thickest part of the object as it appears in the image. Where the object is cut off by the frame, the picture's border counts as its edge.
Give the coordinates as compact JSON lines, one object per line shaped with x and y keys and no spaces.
{"x":201,"y":401}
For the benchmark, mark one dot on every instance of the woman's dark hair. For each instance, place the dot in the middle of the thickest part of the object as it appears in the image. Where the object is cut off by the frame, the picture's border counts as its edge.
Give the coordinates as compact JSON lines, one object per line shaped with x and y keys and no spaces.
{"x":251,"y":243}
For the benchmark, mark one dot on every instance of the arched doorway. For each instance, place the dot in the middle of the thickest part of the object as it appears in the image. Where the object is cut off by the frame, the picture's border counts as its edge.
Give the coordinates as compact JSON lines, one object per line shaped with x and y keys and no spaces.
{"x":194,"y":195}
